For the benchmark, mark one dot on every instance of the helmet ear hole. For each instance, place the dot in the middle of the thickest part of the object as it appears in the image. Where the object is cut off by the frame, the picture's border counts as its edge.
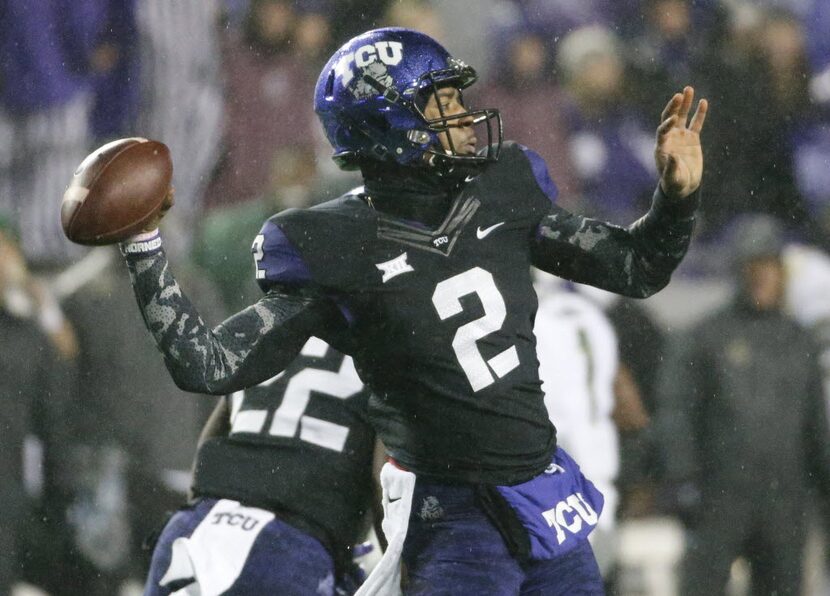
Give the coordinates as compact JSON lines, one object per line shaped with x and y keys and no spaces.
{"x":375,"y":129}
{"x":377,"y":122}
{"x":330,"y":85}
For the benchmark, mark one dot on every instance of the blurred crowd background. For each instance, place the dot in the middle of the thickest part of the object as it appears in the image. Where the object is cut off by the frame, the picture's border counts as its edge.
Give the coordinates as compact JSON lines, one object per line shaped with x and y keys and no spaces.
{"x":720,"y":401}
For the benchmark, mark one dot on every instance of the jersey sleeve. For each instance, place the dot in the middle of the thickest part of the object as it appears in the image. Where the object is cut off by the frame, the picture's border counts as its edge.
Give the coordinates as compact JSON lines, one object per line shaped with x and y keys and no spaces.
{"x":246,"y":349}
{"x":278,"y":261}
{"x":541,"y":176}
{"x":519,"y":185}
{"x":317,"y":250}
{"x":636,"y":261}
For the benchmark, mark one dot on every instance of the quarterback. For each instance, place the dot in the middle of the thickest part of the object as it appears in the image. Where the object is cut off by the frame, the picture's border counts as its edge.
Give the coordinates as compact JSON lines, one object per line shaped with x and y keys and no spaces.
{"x":423,"y":276}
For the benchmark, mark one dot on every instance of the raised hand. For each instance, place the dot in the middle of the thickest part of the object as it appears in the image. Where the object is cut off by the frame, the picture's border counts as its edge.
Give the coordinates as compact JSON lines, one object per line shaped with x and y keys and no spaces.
{"x":677,"y":152}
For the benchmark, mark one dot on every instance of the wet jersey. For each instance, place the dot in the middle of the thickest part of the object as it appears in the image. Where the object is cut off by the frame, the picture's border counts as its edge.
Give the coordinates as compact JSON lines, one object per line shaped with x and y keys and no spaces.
{"x":295,"y":440}
{"x":439,"y":321}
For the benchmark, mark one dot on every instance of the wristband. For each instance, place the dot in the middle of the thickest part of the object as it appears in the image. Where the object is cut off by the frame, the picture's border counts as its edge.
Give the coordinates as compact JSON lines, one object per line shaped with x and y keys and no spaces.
{"x":142,"y":244}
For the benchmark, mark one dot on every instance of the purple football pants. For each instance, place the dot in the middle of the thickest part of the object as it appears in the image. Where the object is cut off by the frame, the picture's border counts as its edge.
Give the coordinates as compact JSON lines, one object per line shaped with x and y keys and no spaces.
{"x":282,"y":560}
{"x":452,"y":548}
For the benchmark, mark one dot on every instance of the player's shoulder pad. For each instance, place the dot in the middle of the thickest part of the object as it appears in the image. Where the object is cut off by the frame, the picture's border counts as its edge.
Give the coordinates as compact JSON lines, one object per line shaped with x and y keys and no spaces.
{"x":313,"y":245}
{"x":520,"y":180}
{"x":278,"y":261}
{"x":528,"y":158}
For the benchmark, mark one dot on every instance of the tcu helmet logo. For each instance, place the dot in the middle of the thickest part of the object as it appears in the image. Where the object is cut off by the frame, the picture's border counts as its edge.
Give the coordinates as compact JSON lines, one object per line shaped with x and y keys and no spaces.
{"x":389,"y":53}
{"x":362,"y":89}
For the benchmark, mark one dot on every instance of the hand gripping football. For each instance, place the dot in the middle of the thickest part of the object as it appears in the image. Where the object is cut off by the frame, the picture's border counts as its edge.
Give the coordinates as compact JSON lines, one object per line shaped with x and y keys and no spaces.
{"x":116,"y":190}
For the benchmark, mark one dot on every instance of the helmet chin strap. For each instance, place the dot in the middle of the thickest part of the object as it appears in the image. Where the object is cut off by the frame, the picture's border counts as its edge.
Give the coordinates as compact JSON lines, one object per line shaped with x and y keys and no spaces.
{"x":452,"y":172}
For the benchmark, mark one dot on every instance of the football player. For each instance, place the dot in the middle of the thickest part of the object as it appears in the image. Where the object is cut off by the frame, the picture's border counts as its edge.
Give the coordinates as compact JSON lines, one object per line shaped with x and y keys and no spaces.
{"x":281,"y":486}
{"x":578,"y":366}
{"x":423,"y":276}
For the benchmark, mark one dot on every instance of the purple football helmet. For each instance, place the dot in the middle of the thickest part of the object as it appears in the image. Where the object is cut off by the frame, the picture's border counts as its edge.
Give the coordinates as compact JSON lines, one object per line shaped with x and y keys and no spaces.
{"x":370,"y":98}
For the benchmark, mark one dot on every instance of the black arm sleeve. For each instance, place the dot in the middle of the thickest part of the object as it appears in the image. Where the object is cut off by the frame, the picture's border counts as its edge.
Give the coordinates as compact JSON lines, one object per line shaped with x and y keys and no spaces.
{"x":636,"y":261}
{"x":246,"y":349}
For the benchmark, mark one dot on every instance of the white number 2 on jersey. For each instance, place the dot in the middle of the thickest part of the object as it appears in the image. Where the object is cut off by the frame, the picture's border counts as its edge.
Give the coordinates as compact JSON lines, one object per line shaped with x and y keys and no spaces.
{"x":446,"y":299}
{"x":258,"y":254}
{"x":341,"y":384}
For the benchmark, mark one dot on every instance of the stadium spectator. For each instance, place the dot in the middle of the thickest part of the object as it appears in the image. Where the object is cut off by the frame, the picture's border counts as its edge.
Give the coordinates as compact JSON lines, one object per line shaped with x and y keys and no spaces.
{"x":44,"y":114}
{"x":131,"y":463}
{"x":675,"y":40}
{"x":313,"y":30}
{"x":666,"y":38}
{"x":783,"y":47}
{"x":34,"y":427}
{"x":744,"y":427}
{"x":419,"y":15}
{"x":362,"y":15}
{"x":116,"y":74}
{"x":808,"y":285}
{"x":762,"y":58}
{"x":471,"y":40}
{"x":560,"y":17}
{"x":524,"y":88}
{"x":806,"y":123}
{"x":609,"y":142}
{"x":267,"y":100}
{"x":181,"y":96}
{"x":816,"y":26}
{"x":223,"y":247}
{"x":29,"y":297}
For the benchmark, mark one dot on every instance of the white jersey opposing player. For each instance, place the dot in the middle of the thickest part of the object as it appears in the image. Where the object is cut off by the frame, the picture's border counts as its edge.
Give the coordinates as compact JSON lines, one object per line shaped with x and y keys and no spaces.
{"x":578,"y":360}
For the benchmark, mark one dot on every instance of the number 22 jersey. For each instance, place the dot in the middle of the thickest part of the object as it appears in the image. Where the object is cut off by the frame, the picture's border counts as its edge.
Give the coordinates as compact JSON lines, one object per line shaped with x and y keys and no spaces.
{"x":299,"y":444}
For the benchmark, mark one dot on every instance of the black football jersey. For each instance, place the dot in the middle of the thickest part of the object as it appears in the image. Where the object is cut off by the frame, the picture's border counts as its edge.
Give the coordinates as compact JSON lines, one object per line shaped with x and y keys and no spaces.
{"x":441,"y":320}
{"x":300,"y":444}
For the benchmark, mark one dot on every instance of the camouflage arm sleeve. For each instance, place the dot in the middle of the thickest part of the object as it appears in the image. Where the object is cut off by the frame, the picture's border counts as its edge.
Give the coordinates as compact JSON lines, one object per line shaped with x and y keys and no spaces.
{"x":246,"y":349}
{"x":636,"y":261}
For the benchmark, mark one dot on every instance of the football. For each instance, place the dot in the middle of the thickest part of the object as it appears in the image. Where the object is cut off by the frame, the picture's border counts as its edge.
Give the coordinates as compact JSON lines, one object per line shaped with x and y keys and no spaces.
{"x":116,"y":190}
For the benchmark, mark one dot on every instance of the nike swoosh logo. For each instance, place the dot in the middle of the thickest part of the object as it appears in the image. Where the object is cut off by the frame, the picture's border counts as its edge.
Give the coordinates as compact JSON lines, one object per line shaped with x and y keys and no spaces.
{"x":483,"y":233}
{"x":395,"y":500}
